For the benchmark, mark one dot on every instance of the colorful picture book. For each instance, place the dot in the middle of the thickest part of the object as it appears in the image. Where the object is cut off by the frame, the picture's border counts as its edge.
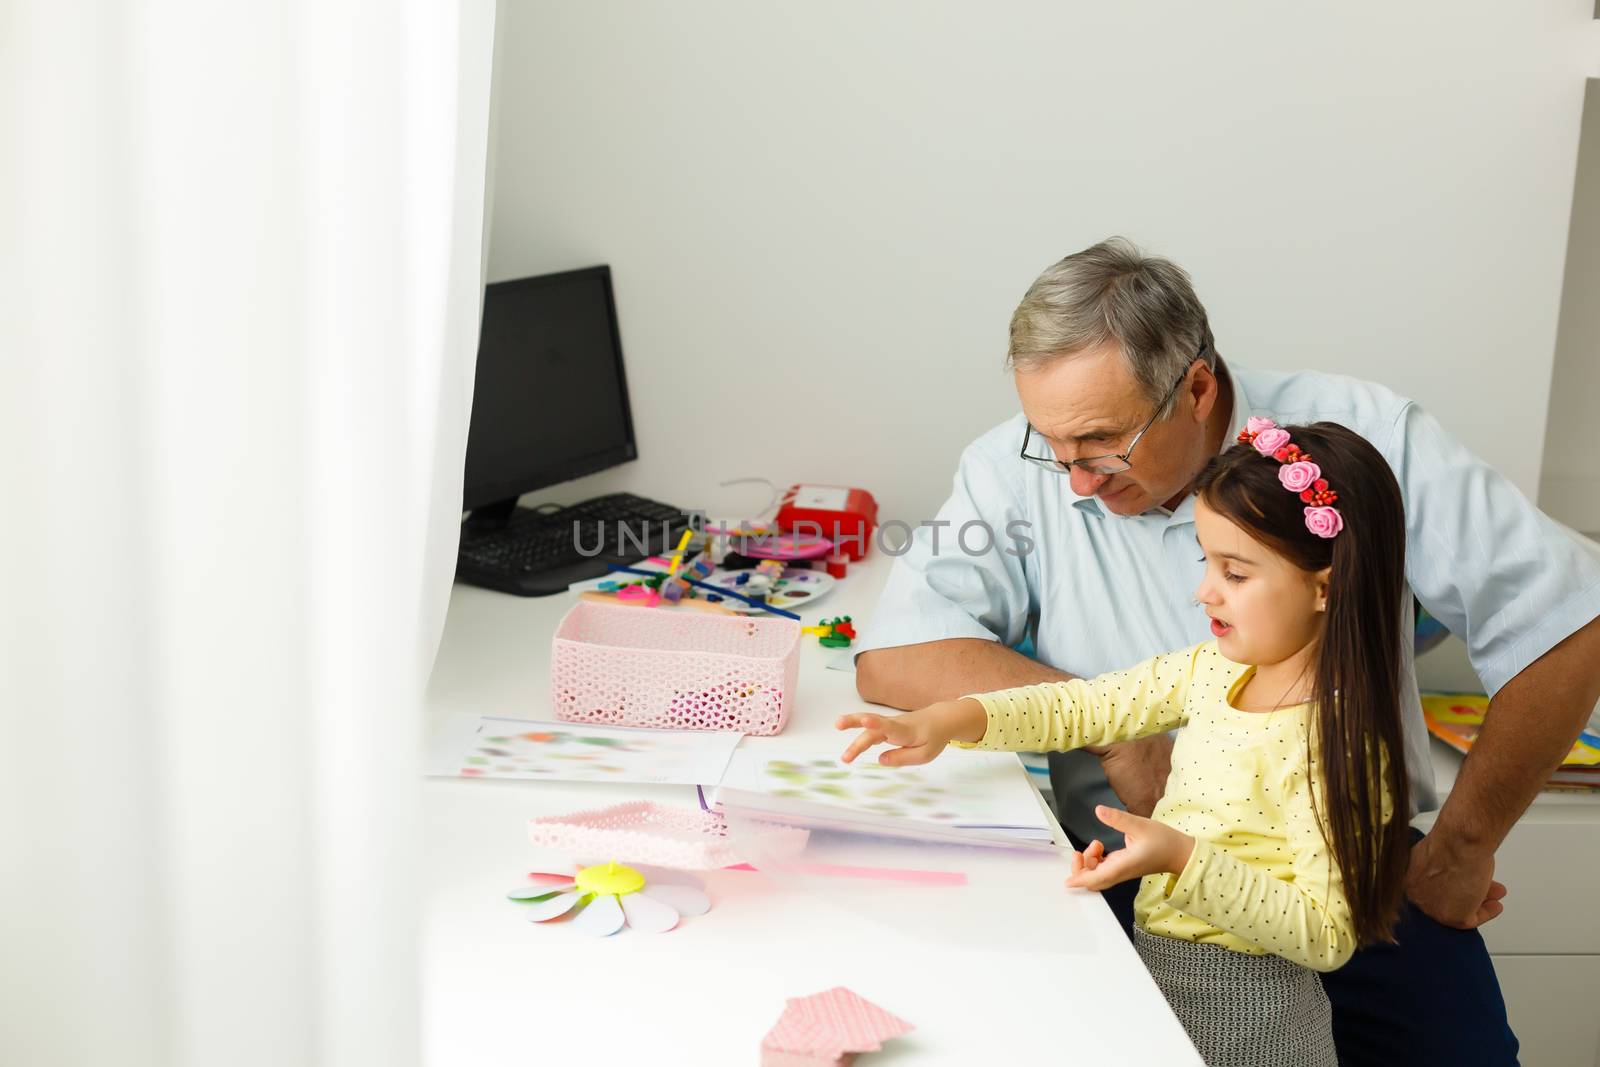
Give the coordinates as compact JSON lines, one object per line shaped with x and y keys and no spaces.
{"x":1456,"y":718}
{"x":962,"y":796}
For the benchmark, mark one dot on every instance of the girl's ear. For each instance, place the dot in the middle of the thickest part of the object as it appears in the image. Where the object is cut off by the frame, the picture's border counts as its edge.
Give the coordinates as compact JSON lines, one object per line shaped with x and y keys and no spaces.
{"x":1319,"y":586}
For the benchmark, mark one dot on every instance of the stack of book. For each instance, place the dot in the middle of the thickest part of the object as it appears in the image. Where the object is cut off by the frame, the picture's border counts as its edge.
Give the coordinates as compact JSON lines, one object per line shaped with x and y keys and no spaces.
{"x":1456,"y":718}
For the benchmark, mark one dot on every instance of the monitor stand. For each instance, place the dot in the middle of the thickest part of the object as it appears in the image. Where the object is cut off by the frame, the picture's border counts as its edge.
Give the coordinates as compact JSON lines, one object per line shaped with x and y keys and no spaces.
{"x":495,"y":516}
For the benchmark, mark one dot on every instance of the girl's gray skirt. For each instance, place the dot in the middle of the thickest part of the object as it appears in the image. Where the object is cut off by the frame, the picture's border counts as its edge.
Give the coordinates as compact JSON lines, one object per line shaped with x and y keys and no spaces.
{"x":1239,"y":1010}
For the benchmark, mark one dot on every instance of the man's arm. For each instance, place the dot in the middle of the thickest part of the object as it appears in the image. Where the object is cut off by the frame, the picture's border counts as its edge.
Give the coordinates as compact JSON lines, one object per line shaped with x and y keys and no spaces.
{"x":1511,"y":584}
{"x":914,"y":676}
{"x":1527,"y":732}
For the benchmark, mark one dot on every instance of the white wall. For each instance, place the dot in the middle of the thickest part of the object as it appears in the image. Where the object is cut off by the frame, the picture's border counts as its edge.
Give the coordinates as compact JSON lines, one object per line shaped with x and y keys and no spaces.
{"x":821,"y":215}
{"x":1570,"y":486}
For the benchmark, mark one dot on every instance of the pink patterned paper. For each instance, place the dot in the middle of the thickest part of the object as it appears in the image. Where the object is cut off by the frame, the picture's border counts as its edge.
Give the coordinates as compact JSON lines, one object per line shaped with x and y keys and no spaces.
{"x":825,"y":1027}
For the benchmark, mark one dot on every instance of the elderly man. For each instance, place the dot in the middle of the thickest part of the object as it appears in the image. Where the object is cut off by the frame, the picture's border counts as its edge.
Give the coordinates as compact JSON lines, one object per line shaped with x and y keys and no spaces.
{"x":1124,"y":398}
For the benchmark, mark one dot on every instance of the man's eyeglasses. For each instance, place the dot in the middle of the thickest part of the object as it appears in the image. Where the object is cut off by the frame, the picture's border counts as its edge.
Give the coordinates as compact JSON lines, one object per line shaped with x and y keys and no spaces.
{"x":1116,"y":462}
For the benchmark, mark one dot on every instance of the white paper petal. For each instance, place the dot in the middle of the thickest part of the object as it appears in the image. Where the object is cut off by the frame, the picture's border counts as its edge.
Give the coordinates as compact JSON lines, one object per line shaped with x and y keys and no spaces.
{"x":686,"y":899}
{"x":667,"y":876}
{"x":648,"y":914}
{"x":533,"y":890}
{"x":556,"y":906}
{"x":601,"y":917}
{"x":555,"y":874}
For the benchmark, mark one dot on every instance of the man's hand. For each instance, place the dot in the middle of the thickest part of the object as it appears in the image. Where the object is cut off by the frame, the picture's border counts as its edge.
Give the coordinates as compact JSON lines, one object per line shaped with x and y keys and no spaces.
{"x":1151,"y":848}
{"x":918,"y":736}
{"x":1454,"y":885}
{"x":1137,"y":770}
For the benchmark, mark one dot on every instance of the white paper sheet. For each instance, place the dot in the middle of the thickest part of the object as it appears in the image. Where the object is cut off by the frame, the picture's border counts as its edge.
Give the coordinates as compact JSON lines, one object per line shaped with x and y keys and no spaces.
{"x":486,"y":746}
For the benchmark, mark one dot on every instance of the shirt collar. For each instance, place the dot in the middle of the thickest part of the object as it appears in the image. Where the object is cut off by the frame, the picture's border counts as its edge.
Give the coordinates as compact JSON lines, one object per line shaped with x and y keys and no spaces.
{"x":1242,"y":412}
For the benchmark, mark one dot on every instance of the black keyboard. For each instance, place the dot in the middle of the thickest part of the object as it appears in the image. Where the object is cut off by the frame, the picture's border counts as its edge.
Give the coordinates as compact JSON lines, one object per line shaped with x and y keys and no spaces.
{"x":539,"y":553}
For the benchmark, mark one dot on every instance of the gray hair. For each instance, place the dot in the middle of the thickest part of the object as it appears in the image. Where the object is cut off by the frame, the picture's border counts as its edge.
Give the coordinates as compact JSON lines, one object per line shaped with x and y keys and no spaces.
{"x":1113,"y":292}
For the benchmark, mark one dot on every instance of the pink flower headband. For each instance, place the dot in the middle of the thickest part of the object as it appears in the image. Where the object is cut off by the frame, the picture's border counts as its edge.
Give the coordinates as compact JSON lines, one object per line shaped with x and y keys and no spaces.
{"x":1298,"y":474}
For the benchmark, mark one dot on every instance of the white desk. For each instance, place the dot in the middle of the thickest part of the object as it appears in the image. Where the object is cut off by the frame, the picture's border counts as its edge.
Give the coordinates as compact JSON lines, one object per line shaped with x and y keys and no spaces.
{"x":500,"y":990}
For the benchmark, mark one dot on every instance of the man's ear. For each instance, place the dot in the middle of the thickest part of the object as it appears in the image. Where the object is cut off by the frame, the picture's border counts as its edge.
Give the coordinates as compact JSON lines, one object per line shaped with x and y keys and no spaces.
{"x":1204,"y":388}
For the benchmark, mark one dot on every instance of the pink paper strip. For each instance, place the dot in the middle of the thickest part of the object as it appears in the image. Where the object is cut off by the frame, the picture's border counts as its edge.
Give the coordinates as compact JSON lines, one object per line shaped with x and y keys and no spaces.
{"x":887,"y":874}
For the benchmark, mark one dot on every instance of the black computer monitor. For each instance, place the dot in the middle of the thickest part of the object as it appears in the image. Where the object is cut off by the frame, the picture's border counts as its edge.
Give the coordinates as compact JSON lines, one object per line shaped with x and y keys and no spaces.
{"x":551,"y":401}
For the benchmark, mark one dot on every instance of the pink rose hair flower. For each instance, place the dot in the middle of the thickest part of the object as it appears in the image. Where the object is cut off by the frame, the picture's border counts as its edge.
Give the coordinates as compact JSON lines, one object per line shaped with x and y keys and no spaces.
{"x":1297,"y":474}
{"x":1324,"y":522}
{"x":1270,"y":440}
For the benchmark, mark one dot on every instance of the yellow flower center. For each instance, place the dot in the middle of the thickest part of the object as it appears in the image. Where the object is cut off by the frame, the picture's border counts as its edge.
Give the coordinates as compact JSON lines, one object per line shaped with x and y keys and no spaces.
{"x":609,"y":879}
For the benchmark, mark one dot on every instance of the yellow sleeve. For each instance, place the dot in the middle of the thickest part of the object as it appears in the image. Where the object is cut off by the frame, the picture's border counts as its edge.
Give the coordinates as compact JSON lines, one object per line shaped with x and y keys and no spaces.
{"x":1117,"y":706}
{"x":1304,"y":917}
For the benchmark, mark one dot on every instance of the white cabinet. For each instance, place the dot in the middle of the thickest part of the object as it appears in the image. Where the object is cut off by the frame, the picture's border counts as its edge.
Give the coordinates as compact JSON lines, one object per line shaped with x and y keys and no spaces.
{"x":1551,"y":1000}
{"x":1546,"y":946}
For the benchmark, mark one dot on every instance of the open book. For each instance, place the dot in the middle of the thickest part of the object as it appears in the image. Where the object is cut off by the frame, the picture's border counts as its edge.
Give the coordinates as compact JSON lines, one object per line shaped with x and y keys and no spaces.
{"x":961,"y":797}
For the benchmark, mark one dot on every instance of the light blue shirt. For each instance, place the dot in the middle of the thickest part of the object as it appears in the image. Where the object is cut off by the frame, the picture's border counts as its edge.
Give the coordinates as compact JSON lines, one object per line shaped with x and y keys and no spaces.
{"x":1100,"y":592}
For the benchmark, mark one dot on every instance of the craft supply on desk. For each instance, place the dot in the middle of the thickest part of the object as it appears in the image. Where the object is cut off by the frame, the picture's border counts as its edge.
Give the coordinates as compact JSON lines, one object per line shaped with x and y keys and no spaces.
{"x":834,"y":633}
{"x":641,"y":595}
{"x":845,"y":515}
{"x":786,"y":546}
{"x":602,"y":898}
{"x":673,"y":670}
{"x":795,"y":589}
{"x":719,"y":606}
{"x":679,"y":585}
{"x":486,"y":746}
{"x":715,"y":590}
{"x":672,"y":588}
{"x":724,"y":539}
{"x":828,"y":1029}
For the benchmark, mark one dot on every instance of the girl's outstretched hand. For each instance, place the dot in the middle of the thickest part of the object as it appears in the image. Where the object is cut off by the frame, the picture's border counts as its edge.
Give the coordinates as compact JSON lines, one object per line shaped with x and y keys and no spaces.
{"x":1151,"y":848}
{"x":917,"y":736}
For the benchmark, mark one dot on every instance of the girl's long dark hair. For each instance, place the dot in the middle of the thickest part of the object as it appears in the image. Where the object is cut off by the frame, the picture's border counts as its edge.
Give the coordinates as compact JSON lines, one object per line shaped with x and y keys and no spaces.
{"x":1358,"y":743}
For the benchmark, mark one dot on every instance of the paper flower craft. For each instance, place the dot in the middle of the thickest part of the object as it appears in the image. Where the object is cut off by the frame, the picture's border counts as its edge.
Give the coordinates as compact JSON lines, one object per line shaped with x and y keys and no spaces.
{"x":605,"y":897}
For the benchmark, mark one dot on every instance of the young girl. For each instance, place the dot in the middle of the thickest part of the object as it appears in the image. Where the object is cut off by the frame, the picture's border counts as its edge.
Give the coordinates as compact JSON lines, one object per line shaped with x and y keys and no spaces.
{"x":1272,"y":854}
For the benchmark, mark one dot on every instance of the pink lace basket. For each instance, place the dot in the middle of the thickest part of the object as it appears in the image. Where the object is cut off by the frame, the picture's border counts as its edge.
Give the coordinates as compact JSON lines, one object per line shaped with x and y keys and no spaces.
{"x":676,"y":670}
{"x":642,"y":832}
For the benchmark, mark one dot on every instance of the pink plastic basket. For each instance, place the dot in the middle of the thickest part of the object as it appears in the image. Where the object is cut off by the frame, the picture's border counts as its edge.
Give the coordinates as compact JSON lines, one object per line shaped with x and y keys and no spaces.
{"x":673,"y":669}
{"x":642,"y":832}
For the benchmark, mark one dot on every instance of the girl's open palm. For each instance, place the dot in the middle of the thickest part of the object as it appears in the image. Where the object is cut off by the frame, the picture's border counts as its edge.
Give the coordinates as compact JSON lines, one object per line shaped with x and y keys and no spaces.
{"x":1150,"y":848}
